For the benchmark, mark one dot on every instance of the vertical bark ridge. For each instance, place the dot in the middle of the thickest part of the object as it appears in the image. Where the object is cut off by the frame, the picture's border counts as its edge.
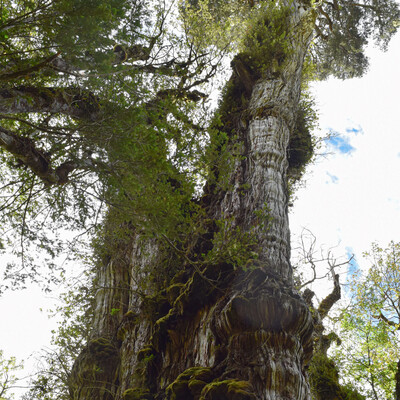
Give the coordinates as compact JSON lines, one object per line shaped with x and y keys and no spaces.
{"x":259,"y":181}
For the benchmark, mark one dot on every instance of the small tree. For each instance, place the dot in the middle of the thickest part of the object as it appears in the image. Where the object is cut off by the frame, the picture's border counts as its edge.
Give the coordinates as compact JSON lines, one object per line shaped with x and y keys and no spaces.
{"x":371,"y":324}
{"x":8,"y":367}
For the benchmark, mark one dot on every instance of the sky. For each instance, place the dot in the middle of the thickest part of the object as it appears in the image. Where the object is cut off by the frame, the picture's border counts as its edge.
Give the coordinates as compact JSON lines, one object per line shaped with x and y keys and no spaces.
{"x":351,"y":196}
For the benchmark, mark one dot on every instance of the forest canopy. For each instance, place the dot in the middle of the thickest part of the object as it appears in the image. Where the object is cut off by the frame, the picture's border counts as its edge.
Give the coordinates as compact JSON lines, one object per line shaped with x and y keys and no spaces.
{"x":106,"y":103}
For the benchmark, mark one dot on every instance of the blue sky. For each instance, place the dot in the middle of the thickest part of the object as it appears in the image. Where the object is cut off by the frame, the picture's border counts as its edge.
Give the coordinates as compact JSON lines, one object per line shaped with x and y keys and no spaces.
{"x":351,"y":197}
{"x":333,"y":178}
{"x":353,"y":267}
{"x":355,"y":130}
{"x":340,"y":143}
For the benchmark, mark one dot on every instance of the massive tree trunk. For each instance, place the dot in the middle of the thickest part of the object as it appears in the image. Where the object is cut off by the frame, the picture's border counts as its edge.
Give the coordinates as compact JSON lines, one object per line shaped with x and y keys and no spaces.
{"x":218,"y":332}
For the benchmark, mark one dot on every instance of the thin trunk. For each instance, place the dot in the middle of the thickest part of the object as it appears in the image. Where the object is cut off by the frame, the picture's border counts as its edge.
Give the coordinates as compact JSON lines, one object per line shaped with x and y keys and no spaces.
{"x":397,"y":381}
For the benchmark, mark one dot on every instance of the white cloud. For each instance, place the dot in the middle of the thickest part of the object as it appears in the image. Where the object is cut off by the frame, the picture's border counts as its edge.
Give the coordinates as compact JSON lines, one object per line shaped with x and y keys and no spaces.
{"x":339,"y":143}
{"x":333,"y":178}
{"x":364,"y":203}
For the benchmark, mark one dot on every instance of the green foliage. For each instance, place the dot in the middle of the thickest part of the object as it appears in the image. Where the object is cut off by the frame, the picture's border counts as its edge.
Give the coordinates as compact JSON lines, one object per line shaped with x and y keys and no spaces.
{"x":215,"y":23}
{"x":77,"y":33}
{"x":324,"y":379}
{"x":84,"y":32}
{"x":301,"y":143}
{"x":138,"y":146}
{"x":232,"y":245}
{"x":371,"y":349}
{"x":266,"y":46}
{"x":368,"y":356}
{"x":135,"y":146}
{"x":259,"y":33}
{"x":8,"y":367}
{"x":343,"y":31}
{"x":138,"y":143}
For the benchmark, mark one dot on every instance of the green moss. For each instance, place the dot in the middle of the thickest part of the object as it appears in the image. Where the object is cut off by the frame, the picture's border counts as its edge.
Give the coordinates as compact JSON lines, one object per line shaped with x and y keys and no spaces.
{"x":189,"y":384}
{"x":178,"y":390}
{"x":324,"y":379}
{"x":197,"y":293}
{"x":199,"y":373}
{"x":137,"y":394}
{"x":180,"y":277}
{"x":161,"y":323}
{"x":146,"y":372}
{"x":196,"y":386}
{"x":227,"y":390}
{"x":155,"y":306}
{"x":173,"y":292}
{"x":146,"y":353}
{"x":129,"y":320}
{"x":130,"y":315}
{"x":160,"y":334}
{"x":98,"y":362}
{"x":102,"y":348}
{"x":197,"y":383}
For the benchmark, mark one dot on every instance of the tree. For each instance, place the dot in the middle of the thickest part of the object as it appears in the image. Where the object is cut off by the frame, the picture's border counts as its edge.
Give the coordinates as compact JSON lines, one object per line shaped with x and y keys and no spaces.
{"x":193,"y":288}
{"x":64,"y":84}
{"x":8,"y":367}
{"x":370,"y":351}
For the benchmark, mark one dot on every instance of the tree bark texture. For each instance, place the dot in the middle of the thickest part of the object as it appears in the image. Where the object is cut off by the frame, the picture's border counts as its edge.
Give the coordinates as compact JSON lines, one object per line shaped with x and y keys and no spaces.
{"x":218,"y":333}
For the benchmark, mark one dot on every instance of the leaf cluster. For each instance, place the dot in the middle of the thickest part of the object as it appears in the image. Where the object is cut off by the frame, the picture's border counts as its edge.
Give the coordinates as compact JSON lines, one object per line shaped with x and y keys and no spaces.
{"x":214,"y":23}
{"x":370,"y":325}
{"x":343,"y":30}
{"x":8,"y":367}
{"x":265,"y":45}
{"x":127,"y":135}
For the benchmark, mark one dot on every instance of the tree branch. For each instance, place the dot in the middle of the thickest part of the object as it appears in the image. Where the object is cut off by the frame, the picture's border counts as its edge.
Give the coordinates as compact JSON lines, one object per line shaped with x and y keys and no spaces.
{"x":68,"y":101}
{"x":327,"y":17}
{"x":24,"y":149}
{"x":328,"y":302}
{"x":28,"y":71}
